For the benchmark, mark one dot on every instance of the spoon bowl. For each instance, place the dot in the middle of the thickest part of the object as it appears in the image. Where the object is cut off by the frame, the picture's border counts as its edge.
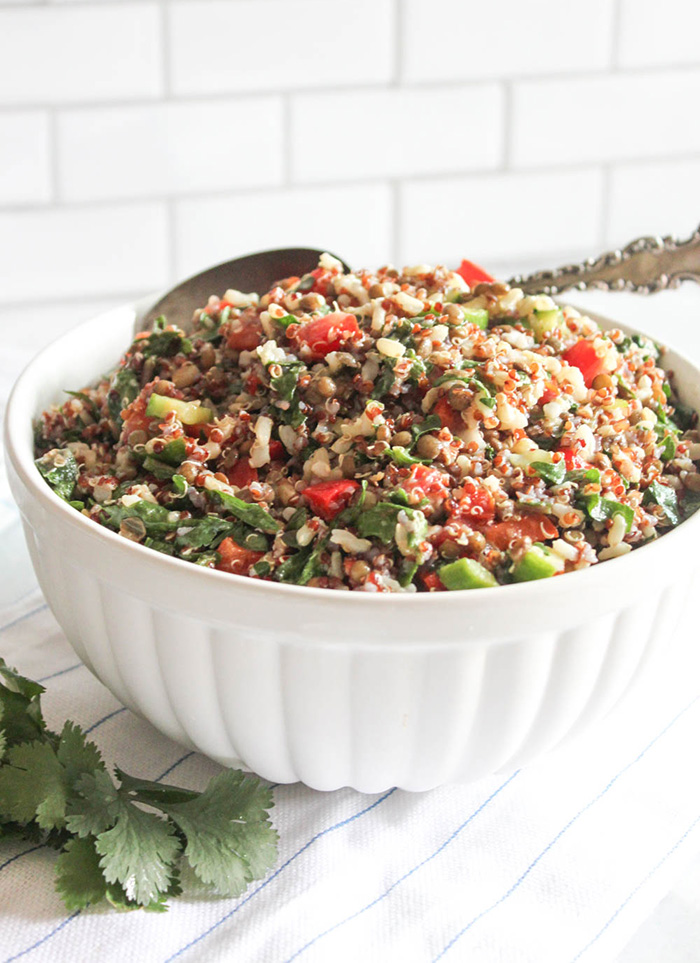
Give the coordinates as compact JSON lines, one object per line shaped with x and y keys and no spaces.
{"x":253,"y":272}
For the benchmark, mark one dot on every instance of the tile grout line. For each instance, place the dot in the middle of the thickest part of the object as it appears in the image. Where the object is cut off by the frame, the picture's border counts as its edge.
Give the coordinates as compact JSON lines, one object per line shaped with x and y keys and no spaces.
{"x":606,"y":194}
{"x":137,"y":200}
{"x":287,"y":134}
{"x":508,"y":120}
{"x":54,"y":159}
{"x":396,"y":219}
{"x":166,"y":61}
{"x":399,"y":43}
{"x":616,"y":32}
{"x":613,"y":74}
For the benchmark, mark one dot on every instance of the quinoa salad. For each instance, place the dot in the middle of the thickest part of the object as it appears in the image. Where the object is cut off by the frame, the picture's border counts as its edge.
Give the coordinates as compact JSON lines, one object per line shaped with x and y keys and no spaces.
{"x":390,"y":431}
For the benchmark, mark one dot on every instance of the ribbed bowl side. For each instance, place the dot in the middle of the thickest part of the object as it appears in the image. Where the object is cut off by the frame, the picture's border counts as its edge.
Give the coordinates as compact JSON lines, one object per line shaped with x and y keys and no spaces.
{"x":334,"y":712}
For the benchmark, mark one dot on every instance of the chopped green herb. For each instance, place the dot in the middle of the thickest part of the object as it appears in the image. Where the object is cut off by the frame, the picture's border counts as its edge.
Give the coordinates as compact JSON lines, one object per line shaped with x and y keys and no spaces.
{"x":553,"y":473}
{"x":431,"y":423}
{"x":124,"y":387}
{"x":599,"y":509}
{"x":589,"y":475}
{"x":665,"y":497}
{"x":304,"y":565}
{"x":252,"y":515}
{"x":402,"y":457}
{"x":385,"y":381}
{"x":60,"y":469}
{"x":380,"y":522}
{"x":180,"y":484}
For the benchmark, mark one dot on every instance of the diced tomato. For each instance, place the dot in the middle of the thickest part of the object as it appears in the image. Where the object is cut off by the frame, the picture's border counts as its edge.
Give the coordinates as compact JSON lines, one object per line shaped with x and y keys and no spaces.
{"x":432,"y":582}
{"x":582,"y":355}
{"x":473,"y":274}
{"x":426,"y":482}
{"x":536,"y":527}
{"x":328,"y":333}
{"x":449,"y":418}
{"x":244,"y":335}
{"x":236,"y":559}
{"x":322,"y":281}
{"x":276,"y":450}
{"x":573,"y":461}
{"x":549,"y":394}
{"x":326,"y":499}
{"x":242,"y":473}
{"x":476,"y":504}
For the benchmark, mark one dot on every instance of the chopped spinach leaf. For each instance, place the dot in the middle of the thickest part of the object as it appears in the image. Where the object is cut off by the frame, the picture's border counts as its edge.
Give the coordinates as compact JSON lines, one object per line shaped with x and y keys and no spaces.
{"x":553,"y":473}
{"x":123,"y":389}
{"x":60,"y":469}
{"x":400,"y":456}
{"x":590,"y":475}
{"x":385,"y":381}
{"x":304,"y":565}
{"x":252,"y":515}
{"x":599,"y":509}
{"x":665,"y":497}
{"x":431,"y":423}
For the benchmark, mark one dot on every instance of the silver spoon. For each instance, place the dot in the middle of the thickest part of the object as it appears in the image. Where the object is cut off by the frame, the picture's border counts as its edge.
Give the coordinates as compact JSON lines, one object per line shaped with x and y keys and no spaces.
{"x":647,"y":265}
{"x":254,"y":272}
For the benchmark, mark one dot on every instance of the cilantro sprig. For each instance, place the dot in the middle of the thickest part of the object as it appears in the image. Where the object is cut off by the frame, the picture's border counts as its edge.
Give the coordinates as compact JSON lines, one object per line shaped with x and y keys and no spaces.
{"x":122,"y":839}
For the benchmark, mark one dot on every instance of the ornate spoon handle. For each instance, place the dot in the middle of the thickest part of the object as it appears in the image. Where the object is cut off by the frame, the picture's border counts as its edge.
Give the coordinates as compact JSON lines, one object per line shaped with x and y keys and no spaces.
{"x":647,"y":265}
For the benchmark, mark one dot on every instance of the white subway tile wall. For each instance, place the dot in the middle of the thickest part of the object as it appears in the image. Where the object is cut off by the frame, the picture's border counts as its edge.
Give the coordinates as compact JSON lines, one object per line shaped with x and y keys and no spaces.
{"x":144,"y":139}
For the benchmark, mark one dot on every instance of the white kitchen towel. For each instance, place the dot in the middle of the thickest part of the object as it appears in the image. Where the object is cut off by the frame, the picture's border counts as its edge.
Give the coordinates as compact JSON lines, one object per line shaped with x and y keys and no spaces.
{"x":556,"y":863}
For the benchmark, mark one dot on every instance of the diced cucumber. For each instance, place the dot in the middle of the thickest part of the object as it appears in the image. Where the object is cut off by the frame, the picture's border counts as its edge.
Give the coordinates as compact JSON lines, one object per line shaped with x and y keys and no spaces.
{"x":536,"y":563}
{"x":545,"y":323}
{"x":465,"y":573}
{"x":477,"y":316}
{"x":189,"y":412}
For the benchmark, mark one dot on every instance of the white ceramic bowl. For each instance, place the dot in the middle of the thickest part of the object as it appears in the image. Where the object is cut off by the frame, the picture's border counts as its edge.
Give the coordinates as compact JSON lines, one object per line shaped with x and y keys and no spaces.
{"x":337,"y":688}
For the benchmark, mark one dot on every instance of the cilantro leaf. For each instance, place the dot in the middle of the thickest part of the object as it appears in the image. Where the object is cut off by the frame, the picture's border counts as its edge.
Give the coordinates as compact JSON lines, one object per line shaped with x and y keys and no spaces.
{"x":76,"y":753}
{"x":33,"y":785}
{"x":94,"y":806}
{"x":229,"y":817}
{"x":20,"y":710}
{"x":55,"y":789}
{"x":79,"y":879}
{"x":138,"y":852}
